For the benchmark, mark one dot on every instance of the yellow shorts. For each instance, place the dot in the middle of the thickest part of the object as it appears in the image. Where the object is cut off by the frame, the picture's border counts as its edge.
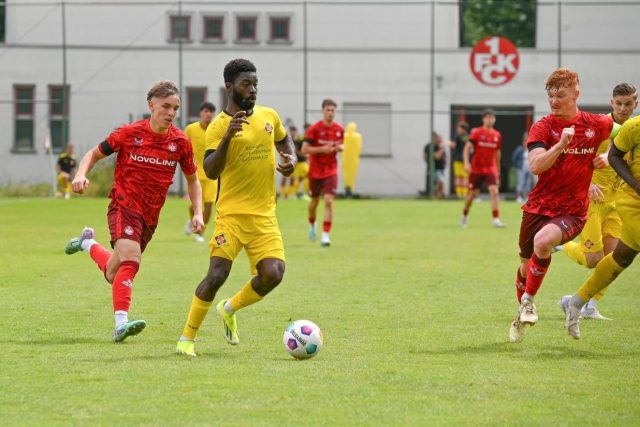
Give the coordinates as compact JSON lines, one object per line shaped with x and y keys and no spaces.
{"x":602,"y":220}
{"x":258,"y":235}
{"x":209,"y":190}
{"x":628,"y":207}
{"x":61,"y":183}
{"x":458,"y":169}
{"x":301,"y":170}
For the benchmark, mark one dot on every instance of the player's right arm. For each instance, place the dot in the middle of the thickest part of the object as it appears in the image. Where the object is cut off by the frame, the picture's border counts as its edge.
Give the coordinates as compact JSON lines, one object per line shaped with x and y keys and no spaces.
{"x":541,"y":159}
{"x":466,"y":154}
{"x":215,"y":156}
{"x":80,"y":181}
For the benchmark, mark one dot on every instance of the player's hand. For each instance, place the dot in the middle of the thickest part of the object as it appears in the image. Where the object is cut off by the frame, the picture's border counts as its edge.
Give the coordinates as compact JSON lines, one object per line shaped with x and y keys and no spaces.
{"x":467,"y":168}
{"x":80,"y":183}
{"x":595,"y":193}
{"x":197,"y":224}
{"x":236,"y":123}
{"x":567,"y":135}
{"x":288,"y":165}
{"x":600,"y":161}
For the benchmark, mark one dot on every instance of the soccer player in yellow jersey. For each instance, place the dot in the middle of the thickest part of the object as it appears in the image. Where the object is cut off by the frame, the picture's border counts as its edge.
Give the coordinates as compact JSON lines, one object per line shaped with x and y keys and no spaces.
{"x":601,"y":233}
{"x":628,"y":207}
{"x":241,"y":151}
{"x":196,"y":134}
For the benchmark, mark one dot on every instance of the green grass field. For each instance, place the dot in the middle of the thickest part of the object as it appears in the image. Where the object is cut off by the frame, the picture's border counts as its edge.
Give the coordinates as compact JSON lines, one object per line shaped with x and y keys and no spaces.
{"x":415,"y":312}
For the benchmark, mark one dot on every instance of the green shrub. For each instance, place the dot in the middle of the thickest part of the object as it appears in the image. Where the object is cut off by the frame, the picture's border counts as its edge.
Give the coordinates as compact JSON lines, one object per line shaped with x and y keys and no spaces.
{"x":41,"y":189}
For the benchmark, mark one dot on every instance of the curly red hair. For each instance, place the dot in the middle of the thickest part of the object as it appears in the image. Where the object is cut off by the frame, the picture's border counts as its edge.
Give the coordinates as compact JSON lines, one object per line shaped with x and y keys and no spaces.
{"x":562,"y":77}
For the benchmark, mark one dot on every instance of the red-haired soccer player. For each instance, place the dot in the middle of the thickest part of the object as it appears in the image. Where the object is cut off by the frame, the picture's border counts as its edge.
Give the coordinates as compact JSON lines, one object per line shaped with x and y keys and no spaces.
{"x":148,"y":152}
{"x":562,"y":149}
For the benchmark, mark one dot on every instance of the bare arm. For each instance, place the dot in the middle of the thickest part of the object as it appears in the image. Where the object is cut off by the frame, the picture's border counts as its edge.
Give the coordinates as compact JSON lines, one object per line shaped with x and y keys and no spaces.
{"x":215,"y":162}
{"x":617,"y":162}
{"x":498,"y":160}
{"x":466,"y":154}
{"x":307,"y":148}
{"x":195,"y":195}
{"x":80,"y":181}
{"x":288,"y":152}
{"x":541,"y":159}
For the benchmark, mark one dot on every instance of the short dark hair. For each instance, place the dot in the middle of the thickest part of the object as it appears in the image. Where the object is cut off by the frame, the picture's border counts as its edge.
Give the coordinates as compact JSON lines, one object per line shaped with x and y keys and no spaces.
{"x":488,"y":112}
{"x":235,"y":67}
{"x":624,"y":89}
{"x":327,"y":101}
{"x":207,"y":106}
{"x":293,"y":128}
{"x":464,"y":125}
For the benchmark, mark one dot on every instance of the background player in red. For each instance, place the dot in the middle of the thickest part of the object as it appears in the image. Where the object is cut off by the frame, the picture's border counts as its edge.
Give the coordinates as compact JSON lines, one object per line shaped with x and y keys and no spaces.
{"x":148,"y":152}
{"x":323,"y":141}
{"x":486,"y":143}
{"x":562,"y":152}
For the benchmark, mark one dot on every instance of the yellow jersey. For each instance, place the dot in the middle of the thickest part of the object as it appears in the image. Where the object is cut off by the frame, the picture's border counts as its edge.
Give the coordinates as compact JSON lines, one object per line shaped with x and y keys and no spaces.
{"x":247,"y":183}
{"x":628,"y":140}
{"x":196,"y":135}
{"x":605,"y":178}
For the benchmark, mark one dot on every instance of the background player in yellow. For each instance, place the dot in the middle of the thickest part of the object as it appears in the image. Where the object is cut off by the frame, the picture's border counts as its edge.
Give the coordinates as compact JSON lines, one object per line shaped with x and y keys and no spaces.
{"x":628,"y":206}
{"x":196,"y":133}
{"x":66,"y":167}
{"x":241,"y":151}
{"x":601,"y":233}
{"x":351,"y":157}
{"x":299,"y":175}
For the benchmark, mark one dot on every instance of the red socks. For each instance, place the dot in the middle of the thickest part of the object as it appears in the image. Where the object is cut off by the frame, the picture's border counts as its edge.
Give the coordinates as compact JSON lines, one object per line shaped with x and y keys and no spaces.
{"x":122,"y":285}
{"x":536,"y":270}
{"x":326,"y":226}
{"x":100,"y":255}
{"x":521,"y":283}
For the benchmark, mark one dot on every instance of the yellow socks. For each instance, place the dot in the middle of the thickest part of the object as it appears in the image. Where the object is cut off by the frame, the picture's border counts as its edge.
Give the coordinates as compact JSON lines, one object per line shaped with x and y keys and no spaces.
{"x":575,"y":252}
{"x":197,"y":313}
{"x":245,"y":297}
{"x":605,"y":272}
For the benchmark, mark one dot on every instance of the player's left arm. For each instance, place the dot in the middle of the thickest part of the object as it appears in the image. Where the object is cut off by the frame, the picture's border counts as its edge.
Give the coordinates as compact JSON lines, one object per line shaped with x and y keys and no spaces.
{"x":195,"y":195}
{"x":288,"y":154}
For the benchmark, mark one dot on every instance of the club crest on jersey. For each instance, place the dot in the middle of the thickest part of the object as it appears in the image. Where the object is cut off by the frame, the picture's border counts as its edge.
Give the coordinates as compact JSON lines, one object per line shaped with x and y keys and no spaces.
{"x":555,"y":134}
{"x":220,"y":239}
{"x":138,"y":141}
{"x":128,"y":230}
{"x":590,"y":133}
{"x":268,"y":128}
{"x":172,"y":146}
{"x":588,"y":244}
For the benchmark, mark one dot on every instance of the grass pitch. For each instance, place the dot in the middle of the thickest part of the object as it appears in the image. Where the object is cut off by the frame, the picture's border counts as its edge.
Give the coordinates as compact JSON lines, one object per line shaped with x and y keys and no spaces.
{"x":415,"y":312}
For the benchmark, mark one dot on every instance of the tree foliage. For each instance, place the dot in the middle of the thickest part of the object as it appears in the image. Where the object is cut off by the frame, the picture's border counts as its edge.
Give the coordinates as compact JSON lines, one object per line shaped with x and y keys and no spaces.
{"x":513,"y":19}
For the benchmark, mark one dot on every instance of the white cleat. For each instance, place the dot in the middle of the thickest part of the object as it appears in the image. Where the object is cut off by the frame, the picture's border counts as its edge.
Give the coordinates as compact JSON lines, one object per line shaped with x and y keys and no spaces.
{"x":564,"y":303}
{"x":187,"y":228}
{"x":312,"y":232}
{"x":572,"y":322}
{"x":324,"y":240}
{"x":199,"y":238}
{"x":528,"y":313}
{"x":464,"y":222}
{"x":517,"y":330}
{"x":498,"y":224}
{"x":592,"y":313}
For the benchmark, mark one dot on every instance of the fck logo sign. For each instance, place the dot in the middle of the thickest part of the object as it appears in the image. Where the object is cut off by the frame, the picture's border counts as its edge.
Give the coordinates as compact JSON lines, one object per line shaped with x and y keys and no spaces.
{"x":494,"y":61}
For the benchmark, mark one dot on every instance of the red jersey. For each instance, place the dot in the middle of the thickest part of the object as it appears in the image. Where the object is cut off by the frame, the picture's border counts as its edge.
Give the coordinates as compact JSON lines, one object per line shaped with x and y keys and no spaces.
{"x":146,"y":165}
{"x":486,"y":143}
{"x":563,"y":189}
{"x":318,"y":135}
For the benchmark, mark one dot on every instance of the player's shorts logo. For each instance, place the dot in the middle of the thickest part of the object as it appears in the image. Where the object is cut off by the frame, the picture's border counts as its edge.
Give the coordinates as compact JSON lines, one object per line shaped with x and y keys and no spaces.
{"x":128,"y":230}
{"x":172,"y":146}
{"x":220,"y":239}
{"x":268,"y":128}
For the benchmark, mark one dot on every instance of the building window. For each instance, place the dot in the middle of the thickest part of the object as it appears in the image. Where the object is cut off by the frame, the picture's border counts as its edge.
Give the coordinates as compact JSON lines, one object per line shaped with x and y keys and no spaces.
{"x":213,"y":28}
{"x":247,"y":29}
{"x":515,"y":20}
{"x":24,"y":112}
{"x":195,"y":97}
{"x":2,"y":22}
{"x":59,"y":116}
{"x":279,"y":29}
{"x":179,"y":28}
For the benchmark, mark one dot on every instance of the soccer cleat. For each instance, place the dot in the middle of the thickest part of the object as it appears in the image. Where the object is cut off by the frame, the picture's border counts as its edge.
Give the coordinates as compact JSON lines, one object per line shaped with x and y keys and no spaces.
{"x":528,"y":314}
{"x":464,"y":221}
{"x":312,"y":232}
{"x":564,"y":303}
{"x":186,"y":347}
{"x":187,"y":228}
{"x":592,"y":313}
{"x":325,"y":240}
{"x":229,"y":323}
{"x":75,"y":245}
{"x":572,"y":324}
{"x":517,"y":330}
{"x":199,"y":238}
{"x":498,"y":224}
{"x":128,"y":329}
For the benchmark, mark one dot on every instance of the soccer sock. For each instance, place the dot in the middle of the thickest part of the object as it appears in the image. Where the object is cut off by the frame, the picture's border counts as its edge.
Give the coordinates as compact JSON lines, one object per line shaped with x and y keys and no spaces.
{"x":283,"y":191}
{"x":521,"y":283}
{"x":121,"y":317}
{"x":197,"y":313}
{"x":326,"y":226}
{"x":122,"y":284}
{"x":465,"y":212}
{"x":536,"y":270}
{"x":312,"y":220}
{"x":597,"y":297}
{"x":495,"y":213}
{"x":593,"y":302}
{"x":243,"y":298}
{"x":99,"y":254}
{"x":605,"y":272}
{"x":575,"y":252}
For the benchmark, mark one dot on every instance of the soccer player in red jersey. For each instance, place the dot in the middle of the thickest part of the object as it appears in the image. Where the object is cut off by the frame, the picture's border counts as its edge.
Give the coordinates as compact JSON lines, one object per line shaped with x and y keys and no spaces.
{"x":562,"y":152}
{"x":484,"y":167}
{"x":148,"y":152}
{"x":322,"y":141}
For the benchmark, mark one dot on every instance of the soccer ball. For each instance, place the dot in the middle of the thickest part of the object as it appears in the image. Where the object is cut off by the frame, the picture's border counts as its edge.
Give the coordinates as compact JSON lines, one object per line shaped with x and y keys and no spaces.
{"x":302,"y":339}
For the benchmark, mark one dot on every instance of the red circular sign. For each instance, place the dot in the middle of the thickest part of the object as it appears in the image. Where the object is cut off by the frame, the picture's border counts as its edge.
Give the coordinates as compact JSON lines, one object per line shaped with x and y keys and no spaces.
{"x":494,"y":61}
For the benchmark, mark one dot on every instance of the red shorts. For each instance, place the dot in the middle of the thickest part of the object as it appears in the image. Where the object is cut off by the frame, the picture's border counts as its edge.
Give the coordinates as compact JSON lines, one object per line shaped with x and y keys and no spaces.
{"x":126,"y":224}
{"x":476,"y":180}
{"x":570,"y":225}
{"x":327,"y":185}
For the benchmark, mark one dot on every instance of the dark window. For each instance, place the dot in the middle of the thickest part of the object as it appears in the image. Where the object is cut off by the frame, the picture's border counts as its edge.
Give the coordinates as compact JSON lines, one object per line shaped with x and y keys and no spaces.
{"x":213,"y":28}
{"x":195,"y":97}
{"x":59,"y":116}
{"x":23,"y":96}
{"x":247,"y":28}
{"x":280,"y":29}
{"x":515,"y":20}
{"x":2,"y":22}
{"x":180,"y":28}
